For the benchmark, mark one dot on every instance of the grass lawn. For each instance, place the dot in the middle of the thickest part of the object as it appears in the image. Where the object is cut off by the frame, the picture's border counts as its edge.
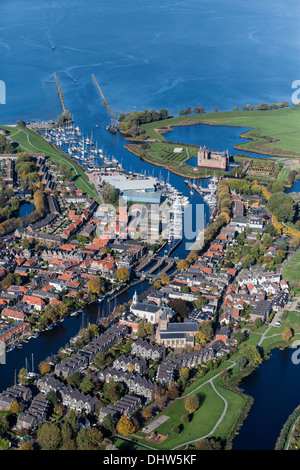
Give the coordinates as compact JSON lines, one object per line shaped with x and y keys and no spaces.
{"x":123,"y":444}
{"x":274,"y":132}
{"x":205,"y":418}
{"x":275,"y":333}
{"x":35,"y":143}
{"x":284,"y":174}
{"x":291,"y":270}
{"x":253,"y":338}
{"x":202,"y":423}
{"x":236,"y":402}
{"x":292,"y":321}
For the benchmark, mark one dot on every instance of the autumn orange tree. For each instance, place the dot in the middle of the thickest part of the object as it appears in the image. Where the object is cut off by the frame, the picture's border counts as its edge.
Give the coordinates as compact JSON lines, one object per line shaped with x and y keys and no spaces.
{"x":16,"y":408}
{"x":95,"y":285}
{"x":192,"y":403}
{"x":123,"y":274}
{"x":44,"y":368}
{"x":287,"y":334}
{"x":183,"y":264}
{"x":125,"y":426}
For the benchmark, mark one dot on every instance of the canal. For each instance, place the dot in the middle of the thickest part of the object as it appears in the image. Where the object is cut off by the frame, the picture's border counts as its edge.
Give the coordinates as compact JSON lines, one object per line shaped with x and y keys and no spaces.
{"x":50,"y":341}
{"x":275,"y":387}
{"x":25,"y":209}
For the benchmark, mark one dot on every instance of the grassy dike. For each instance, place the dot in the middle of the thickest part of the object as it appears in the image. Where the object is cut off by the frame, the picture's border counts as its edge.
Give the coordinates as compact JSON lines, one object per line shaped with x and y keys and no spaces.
{"x":33,"y":142}
{"x":273,"y":132}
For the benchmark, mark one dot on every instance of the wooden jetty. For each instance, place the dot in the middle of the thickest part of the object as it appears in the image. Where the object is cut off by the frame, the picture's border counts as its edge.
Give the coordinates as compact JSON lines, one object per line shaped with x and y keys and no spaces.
{"x":196,"y":188}
{"x":60,"y":93}
{"x":104,"y":100}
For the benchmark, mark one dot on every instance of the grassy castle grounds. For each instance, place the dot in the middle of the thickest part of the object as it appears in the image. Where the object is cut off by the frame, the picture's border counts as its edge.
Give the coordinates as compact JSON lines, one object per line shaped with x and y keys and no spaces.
{"x":272,"y":132}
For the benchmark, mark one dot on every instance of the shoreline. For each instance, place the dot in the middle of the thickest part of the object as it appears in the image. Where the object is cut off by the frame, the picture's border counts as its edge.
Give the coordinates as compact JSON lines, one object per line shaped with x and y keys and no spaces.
{"x":206,"y":119}
{"x":164,"y":130}
{"x":171,"y":169}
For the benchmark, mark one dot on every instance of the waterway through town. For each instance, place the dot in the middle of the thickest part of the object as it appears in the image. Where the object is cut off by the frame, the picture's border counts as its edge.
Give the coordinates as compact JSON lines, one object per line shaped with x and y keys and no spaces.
{"x":49,"y":342}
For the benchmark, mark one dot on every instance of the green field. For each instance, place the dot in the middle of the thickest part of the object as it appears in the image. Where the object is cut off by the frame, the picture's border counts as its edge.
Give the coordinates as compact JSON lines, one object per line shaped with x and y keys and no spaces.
{"x":221,"y":409}
{"x":291,"y":270}
{"x":284,"y":174}
{"x":274,"y":132}
{"x":218,"y":413}
{"x":32,"y":142}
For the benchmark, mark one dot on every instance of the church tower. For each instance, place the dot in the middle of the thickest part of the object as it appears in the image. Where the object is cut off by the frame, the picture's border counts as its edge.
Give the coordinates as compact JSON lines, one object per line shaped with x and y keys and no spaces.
{"x":135,"y":299}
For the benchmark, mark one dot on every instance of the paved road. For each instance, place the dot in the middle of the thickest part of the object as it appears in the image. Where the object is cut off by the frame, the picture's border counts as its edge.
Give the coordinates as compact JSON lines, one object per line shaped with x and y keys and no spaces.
{"x":289,"y":307}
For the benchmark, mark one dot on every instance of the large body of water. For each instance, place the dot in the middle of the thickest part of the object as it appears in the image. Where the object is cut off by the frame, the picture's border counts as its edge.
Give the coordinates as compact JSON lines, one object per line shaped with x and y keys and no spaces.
{"x":146,"y":55}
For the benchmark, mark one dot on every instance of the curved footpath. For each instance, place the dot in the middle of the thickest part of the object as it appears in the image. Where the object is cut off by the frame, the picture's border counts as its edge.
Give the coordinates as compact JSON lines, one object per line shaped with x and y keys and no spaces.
{"x":210,"y":381}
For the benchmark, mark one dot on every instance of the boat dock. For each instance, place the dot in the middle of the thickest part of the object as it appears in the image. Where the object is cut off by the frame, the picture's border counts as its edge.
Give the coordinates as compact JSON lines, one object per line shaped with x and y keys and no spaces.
{"x":196,"y":188}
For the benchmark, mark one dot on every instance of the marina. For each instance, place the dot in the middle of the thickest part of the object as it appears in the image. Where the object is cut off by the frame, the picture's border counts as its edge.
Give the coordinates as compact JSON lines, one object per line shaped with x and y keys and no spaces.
{"x":69,"y":139}
{"x":209,"y":193}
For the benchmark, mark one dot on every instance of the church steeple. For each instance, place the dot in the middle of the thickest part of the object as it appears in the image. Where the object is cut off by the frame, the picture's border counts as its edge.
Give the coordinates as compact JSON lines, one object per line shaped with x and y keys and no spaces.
{"x":135,"y":298}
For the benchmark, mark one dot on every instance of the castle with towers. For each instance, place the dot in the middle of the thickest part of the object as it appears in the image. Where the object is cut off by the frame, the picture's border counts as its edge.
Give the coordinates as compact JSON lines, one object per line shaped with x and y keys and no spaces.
{"x":212,"y":159}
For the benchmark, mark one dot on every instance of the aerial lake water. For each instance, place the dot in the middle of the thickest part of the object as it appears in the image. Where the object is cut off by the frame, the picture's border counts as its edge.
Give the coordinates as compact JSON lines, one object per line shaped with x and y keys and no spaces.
{"x":219,"y":138}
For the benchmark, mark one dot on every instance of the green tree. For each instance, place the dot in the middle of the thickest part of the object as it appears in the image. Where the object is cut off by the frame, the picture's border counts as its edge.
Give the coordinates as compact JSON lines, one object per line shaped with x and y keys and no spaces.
{"x":251,"y":353}
{"x":108,"y":424}
{"x":110,"y":194}
{"x":282,"y":206}
{"x":180,"y":306}
{"x":200,"y":301}
{"x":4,"y":425}
{"x":206,"y":329}
{"x":4,"y":444}
{"x":52,"y":397}
{"x":86,"y":386}
{"x":22,"y":376}
{"x":49,"y":436}
{"x":174,"y":430}
{"x":99,"y":360}
{"x":89,"y":439}
{"x":113,"y":391}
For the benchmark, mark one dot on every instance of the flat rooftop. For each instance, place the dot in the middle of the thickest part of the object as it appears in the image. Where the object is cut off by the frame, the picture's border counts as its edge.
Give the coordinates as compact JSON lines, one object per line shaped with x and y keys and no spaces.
{"x":124,"y":183}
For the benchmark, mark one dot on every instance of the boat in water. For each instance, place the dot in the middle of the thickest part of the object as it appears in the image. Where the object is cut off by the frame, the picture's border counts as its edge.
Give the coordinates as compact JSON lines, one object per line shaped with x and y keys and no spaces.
{"x":112,"y":128}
